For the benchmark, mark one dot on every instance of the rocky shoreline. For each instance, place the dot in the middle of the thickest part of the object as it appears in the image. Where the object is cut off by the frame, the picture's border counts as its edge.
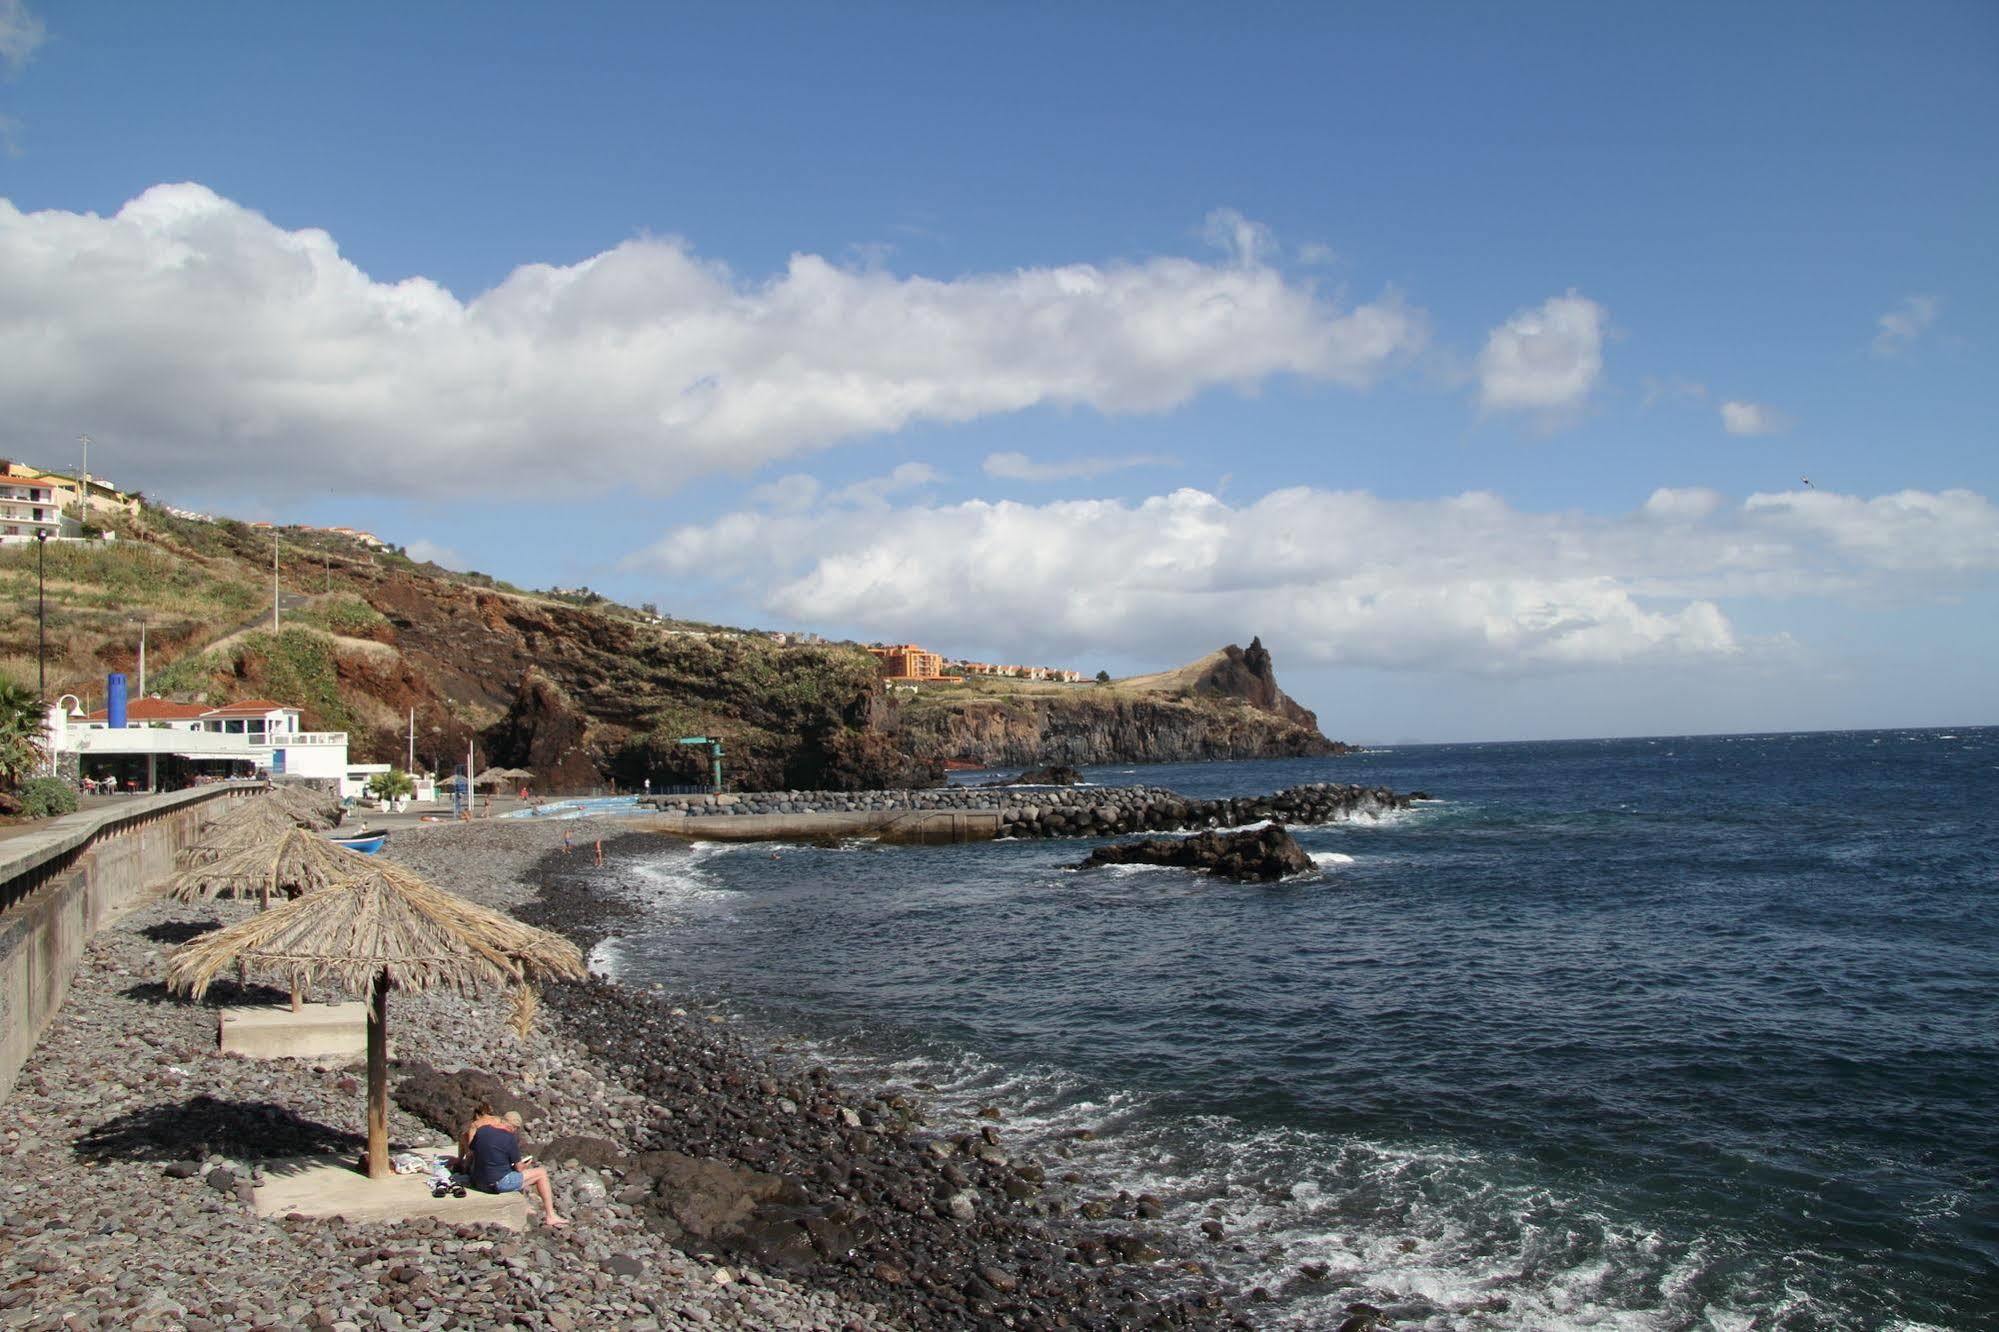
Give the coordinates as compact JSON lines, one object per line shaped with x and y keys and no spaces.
{"x":132,"y":1149}
{"x":773,"y":1163}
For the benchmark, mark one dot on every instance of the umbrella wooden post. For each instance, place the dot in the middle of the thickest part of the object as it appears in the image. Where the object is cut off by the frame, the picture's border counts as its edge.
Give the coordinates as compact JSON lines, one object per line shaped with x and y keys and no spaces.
{"x":298,"y":1001}
{"x":376,"y":927}
{"x":378,"y":1077}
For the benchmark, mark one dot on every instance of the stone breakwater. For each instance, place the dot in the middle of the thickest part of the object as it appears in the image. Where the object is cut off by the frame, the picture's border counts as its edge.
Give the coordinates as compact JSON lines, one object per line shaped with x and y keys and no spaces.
{"x":1084,"y":811}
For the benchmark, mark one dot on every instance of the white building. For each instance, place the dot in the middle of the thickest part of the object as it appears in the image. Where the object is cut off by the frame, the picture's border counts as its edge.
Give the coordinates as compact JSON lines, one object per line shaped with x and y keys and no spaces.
{"x":29,"y":507}
{"x":166,"y":744}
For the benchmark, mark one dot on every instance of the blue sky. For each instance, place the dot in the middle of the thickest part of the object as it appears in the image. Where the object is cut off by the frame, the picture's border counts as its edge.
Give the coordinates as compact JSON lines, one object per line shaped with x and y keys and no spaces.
{"x":1471,"y":355}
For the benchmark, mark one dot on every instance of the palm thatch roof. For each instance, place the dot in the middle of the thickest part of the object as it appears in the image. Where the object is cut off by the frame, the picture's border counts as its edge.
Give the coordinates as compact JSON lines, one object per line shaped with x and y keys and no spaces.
{"x":382,"y":928}
{"x":503,"y":777}
{"x":250,"y":822}
{"x":294,"y":862}
{"x":309,"y":805}
{"x":385,"y":917}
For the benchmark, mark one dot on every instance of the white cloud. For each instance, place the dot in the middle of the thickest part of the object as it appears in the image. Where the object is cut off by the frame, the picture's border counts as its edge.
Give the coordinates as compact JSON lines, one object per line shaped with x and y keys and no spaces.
{"x":1895,"y":331}
{"x":20,"y":33}
{"x":788,"y":493}
{"x":422,"y":550}
{"x":1317,"y":254}
{"x":1544,"y":360}
{"x":1247,"y":241}
{"x":1753,"y":418}
{"x":229,"y":347}
{"x":1020,"y":467}
{"x":1466,"y":584}
{"x":874,"y":492}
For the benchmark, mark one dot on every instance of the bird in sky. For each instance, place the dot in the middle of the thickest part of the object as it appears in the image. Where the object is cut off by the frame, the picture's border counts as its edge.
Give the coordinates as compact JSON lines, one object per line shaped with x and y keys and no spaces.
{"x":1808,"y":482}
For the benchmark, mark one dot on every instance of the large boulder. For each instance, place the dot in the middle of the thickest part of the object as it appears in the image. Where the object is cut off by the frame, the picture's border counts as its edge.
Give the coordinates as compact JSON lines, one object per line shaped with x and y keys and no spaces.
{"x":446,"y":1101}
{"x":1258,"y":853}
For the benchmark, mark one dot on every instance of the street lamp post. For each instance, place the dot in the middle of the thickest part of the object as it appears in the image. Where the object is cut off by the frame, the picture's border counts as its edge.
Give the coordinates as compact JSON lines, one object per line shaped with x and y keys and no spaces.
{"x":41,"y":617}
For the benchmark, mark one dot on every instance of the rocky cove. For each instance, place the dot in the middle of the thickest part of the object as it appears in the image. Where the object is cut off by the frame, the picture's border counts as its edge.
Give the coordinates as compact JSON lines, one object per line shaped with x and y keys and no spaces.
{"x":712,"y":1182}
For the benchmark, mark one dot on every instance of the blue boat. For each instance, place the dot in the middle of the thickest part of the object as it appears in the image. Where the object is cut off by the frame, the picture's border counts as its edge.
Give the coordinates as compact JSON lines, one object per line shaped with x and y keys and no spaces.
{"x":368,"y":841}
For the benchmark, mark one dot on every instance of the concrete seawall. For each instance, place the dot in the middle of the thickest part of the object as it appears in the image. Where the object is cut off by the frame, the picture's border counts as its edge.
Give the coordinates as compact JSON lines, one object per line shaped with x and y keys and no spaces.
{"x":922,"y":827}
{"x":59,"y":882}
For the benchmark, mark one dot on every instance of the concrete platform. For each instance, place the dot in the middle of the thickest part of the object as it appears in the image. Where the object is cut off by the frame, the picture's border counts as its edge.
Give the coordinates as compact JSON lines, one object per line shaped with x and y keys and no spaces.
{"x":332,"y":1186}
{"x":921,"y":827}
{"x":317,"y":1031}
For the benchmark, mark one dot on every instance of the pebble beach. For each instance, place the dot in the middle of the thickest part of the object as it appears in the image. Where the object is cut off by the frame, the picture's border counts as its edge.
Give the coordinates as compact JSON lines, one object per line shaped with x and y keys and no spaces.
{"x":711,"y":1183}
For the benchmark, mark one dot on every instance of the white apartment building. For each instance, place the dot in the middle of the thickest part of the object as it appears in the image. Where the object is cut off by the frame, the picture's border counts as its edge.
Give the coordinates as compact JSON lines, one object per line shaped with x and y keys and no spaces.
{"x":29,"y":507}
{"x":165,"y":744}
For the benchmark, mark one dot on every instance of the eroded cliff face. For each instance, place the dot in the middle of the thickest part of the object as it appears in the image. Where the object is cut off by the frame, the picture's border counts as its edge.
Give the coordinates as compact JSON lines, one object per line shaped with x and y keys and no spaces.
{"x":1232,"y":709}
{"x":1023,"y":732}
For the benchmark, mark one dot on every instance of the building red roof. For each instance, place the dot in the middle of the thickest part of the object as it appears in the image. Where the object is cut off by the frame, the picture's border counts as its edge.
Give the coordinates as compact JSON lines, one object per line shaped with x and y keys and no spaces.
{"x":156,"y":709}
{"x":164,"y":710}
{"x":249,"y":707}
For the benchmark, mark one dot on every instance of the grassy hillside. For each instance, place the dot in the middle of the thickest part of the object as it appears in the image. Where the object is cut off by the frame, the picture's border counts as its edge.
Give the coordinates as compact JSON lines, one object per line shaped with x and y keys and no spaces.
{"x":581,"y":690}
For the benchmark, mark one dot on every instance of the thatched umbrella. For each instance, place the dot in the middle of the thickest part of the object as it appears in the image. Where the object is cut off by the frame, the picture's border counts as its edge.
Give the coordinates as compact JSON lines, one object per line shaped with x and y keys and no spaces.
{"x":309,"y":805}
{"x":253,"y":823}
{"x":295,"y":862}
{"x":385,"y":927}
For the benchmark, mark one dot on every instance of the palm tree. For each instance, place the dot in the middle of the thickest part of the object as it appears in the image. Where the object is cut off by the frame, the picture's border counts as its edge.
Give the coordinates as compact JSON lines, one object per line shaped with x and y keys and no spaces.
{"x":391,"y":786}
{"x":20,"y":734}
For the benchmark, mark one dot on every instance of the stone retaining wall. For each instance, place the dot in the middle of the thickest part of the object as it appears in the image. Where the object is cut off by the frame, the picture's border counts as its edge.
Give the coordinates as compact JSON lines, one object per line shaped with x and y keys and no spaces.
{"x":61,"y":881}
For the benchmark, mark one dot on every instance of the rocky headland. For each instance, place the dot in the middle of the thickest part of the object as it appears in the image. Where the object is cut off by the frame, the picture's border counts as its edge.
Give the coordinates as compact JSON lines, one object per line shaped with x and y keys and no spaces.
{"x":1225,"y":706}
{"x":586,"y":693}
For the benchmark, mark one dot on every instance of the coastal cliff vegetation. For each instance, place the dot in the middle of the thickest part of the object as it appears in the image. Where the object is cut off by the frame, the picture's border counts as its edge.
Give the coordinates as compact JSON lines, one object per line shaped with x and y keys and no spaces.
{"x":578,"y":689}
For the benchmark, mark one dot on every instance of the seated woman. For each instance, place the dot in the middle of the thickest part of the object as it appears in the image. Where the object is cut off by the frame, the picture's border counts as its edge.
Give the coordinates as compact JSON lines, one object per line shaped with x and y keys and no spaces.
{"x":490,"y":1152}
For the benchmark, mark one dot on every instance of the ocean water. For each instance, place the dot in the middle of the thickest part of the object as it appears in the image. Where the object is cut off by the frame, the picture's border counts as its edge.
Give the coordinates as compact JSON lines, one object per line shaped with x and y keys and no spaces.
{"x":1696,"y":1032}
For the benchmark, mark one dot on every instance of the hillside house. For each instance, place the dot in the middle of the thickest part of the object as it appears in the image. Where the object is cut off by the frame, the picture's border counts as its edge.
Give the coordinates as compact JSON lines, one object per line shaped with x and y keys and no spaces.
{"x":163,"y":745}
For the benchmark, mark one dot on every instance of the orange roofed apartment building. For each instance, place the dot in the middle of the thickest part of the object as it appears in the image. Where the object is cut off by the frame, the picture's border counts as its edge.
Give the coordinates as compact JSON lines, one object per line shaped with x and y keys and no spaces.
{"x":906,"y":661}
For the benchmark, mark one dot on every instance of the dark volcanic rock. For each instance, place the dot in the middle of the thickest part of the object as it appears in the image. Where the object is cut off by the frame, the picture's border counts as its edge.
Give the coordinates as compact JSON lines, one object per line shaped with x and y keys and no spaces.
{"x":544,"y":731}
{"x":1261,"y":853}
{"x":1247,"y":674}
{"x":446,"y":1101}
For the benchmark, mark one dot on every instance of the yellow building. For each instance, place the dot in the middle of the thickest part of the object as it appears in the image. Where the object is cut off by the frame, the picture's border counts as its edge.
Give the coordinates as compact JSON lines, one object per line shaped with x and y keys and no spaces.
{"x":102,"y":497}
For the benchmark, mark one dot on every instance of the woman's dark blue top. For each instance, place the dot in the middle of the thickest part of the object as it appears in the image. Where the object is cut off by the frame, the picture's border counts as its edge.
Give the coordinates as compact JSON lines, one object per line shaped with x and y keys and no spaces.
{"x":495,"y":1151}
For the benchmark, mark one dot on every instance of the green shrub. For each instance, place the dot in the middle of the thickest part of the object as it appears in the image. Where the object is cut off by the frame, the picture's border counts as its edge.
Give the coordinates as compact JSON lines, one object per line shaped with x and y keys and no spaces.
{"x":43,"y":796}
{"x":344,"y":614}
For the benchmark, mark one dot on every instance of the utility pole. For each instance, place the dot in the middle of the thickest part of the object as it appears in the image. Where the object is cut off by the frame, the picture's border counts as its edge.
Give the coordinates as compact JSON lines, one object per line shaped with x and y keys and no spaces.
{"x":411,"y":770}
{"x":274,"y":579}
{"x":83,"y":484}
{"x":471,"y":794}
{"x":142,"y":654}
{"x":41,"y":618}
